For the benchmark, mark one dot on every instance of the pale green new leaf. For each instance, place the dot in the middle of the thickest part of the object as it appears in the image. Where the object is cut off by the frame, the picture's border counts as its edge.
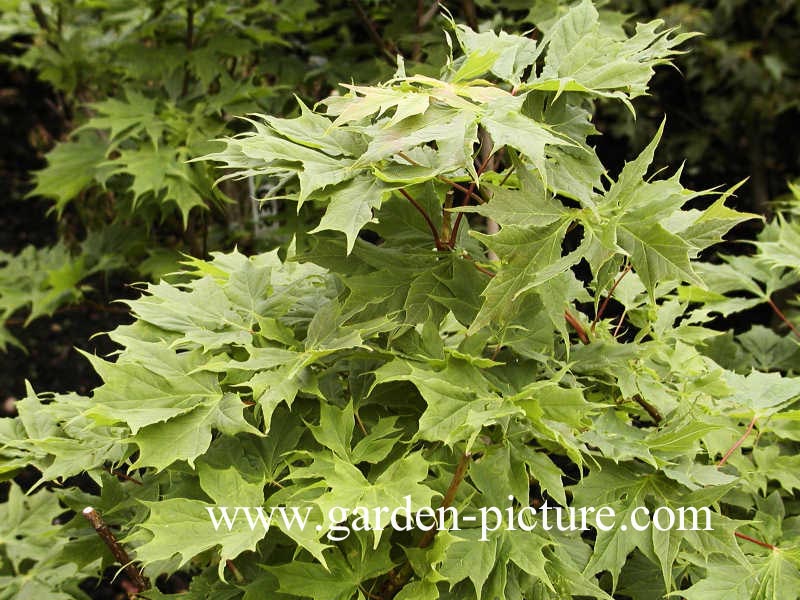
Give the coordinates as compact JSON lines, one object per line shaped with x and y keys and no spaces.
{"x":509,"y":55}
{"x":585,"y":56}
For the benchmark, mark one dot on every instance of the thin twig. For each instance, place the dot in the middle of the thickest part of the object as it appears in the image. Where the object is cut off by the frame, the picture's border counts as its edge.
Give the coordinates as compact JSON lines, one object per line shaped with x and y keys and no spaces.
{"x":120,"y":555}
{"x":470,"y":192}
{"x":360,"y":423}
{"x":619,"y":323}
{"x":449,"y":495}
{"x":400,"y":578}
{"x":374,"y":35}
{"x":41,"y":18}
{"x":738,"y":443}
{"x":427,"y":218}
{"x":604,"y":305}
{"x":507,"y":175}
{"x":477,"y":197}
{"x":755,"y":541}
{"x":446,"y":180}
{"x":782,"y":317}
{"x":576,"y":325}
{"x":417,"y":50}
{"x":426,"y":18}
{"x":236,"y":572}
{"x":651,"y":410}
{"x":368,"y":594}
{"x":483,"y":270}
{"x":123,"y":476}
{"x":189,"y":43}
{"x":471,"y":14}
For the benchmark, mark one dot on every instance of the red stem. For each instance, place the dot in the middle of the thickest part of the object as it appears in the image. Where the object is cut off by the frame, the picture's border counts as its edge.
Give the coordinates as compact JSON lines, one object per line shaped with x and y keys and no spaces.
{"x":738,"y":443}
{"x":604,"y":305}
{"x":398,"y":579}
{"x":427,"y":218}
{"x":783,"y":317}
{"x":755,"y":541}
{"x":483,"y":270}
{"x":469,"y":193}
{"x":576,"y":325}
{"x":507,"y":175}
{"x":123,"y":476}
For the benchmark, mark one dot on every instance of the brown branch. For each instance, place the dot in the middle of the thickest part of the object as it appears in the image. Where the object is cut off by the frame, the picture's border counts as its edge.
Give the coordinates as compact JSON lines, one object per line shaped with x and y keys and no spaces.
{"x":507,"y":175}
{"x":449,"y":495}
{"x":738,"y":443}
{"x":116,"y":549}
{"x":483,"y":270}
{"x":41,"y":18}
{"x":427,"y":218}
{"x":755,"y":541}
{"x":360,"y":423}
{"x":479,"y":199}
{"x":470,"y":14}
{"x":651,"y":410}
{"x":576,"y":325}
{"x":417,"y":49}
{"x":604,"y":305}
{"x":782,"y":317}
{"x":374,"y":35}
{"x":121,"y":475}
{"x":189,"y":44}
{"x":426,"y":18}
{"x":398,"y":579}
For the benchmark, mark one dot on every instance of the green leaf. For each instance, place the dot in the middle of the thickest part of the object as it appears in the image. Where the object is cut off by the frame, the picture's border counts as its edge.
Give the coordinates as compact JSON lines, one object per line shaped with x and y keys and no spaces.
{"x":584,"y":56}
{"x":131,"y":116}
{"x":148,"y":166}
{"x":350,"y":207}
{"x":198,"y":533}
{"x":531,"y":256}
{"x":342,"y":577}
{"x":529,"y":206}
{"x":770,"y":578}
{"x":508,"y":55}
{"x":508,"y":126}
{"x":158,"y":386}
{"x":460,"y":402}
{"x":70,"y":169}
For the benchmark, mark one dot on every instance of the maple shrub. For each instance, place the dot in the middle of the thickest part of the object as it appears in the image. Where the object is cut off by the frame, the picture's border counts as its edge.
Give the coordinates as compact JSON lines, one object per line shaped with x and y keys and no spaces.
{"x":404,"y":352}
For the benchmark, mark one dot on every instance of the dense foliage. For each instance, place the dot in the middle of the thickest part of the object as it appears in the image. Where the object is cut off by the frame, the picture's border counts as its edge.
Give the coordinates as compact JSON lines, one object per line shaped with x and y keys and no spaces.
{"x":398,"y":348}
{"x":139,"y":89}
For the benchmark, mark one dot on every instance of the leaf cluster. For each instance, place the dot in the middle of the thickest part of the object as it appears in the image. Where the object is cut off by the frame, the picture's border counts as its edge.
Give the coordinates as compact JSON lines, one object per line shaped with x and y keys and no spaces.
{"x":408,"y":351}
